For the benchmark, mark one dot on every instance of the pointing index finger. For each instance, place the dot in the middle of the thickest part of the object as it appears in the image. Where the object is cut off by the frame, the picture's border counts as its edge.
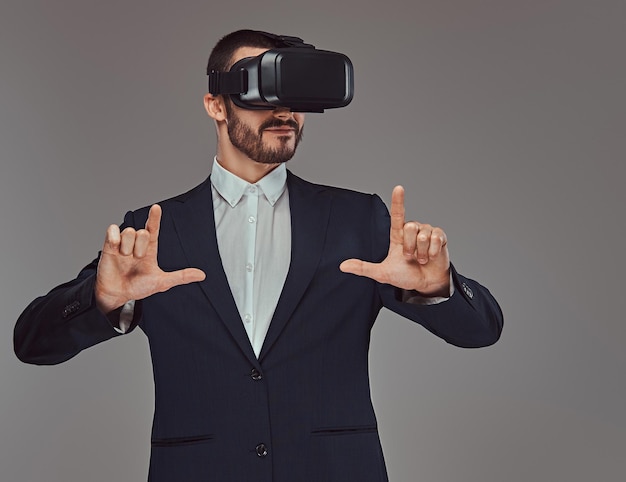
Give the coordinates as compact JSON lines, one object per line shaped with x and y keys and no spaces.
{"x":154,"y":222}
{"x":397,"y":214}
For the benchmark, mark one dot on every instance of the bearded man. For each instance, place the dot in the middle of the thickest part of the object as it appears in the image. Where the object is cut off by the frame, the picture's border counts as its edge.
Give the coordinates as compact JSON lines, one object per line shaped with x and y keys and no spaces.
{"x":258,"y":291}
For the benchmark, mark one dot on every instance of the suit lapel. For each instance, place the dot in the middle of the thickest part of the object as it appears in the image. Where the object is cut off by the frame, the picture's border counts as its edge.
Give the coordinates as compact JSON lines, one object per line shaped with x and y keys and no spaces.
{"x":194,"y":222}
{"x":310,"y":208}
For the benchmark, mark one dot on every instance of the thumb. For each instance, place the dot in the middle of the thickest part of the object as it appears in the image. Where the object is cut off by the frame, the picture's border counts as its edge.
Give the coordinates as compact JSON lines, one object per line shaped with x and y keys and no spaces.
{"x":361,"y":268}
{"x":181,"y":277}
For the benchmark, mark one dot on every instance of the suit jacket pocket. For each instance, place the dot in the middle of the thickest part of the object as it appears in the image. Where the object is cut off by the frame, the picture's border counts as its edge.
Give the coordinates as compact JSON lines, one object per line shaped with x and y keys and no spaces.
{"x":345,"y":430}
{"x":346,"y":453}
{"x":181,"y":441}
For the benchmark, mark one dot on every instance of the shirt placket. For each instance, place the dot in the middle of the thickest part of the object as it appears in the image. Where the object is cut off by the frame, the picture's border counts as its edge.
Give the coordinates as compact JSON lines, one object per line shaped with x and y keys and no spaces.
{"x":249,"y":315}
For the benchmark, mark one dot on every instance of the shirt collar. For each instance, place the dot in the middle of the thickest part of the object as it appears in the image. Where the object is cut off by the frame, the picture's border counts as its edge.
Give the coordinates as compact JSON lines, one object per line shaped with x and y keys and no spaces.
{"x":232,"y":188}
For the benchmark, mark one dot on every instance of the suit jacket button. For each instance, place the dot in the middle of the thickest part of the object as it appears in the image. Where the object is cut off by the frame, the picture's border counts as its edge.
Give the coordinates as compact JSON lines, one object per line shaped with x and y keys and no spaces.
{"x":468,"y":291}
{"x":256,"y":374}
{"x":71,"y":308}
{"x":261,"y":450}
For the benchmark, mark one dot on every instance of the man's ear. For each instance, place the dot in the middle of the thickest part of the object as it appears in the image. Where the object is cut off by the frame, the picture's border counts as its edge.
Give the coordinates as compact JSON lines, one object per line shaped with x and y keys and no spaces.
{"x":214,"y":106}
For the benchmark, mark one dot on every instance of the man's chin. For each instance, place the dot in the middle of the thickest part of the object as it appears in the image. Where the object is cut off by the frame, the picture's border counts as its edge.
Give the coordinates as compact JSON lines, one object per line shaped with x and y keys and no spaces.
{"x":274,"y":141}
{"x":278,"y":158}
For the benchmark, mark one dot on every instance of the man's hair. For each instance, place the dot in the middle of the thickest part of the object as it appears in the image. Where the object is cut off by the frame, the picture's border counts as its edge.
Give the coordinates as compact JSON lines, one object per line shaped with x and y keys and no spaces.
{"x":222,"y":54}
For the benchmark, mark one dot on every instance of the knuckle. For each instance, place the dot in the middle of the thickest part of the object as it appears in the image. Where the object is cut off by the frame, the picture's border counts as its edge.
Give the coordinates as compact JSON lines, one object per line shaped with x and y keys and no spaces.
{"x":411,"y":226}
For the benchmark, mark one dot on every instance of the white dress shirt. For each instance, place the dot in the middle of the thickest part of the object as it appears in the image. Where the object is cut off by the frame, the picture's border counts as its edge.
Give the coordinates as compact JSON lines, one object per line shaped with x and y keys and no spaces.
{"x":253,"y":227}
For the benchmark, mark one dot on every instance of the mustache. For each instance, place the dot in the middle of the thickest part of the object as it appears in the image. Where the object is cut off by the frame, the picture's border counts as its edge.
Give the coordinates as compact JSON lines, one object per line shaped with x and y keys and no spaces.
{"x":271,"y":123}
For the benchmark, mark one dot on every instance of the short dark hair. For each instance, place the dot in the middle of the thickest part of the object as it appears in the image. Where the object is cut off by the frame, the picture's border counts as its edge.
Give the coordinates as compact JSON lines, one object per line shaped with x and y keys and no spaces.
{"x":221,"y":56}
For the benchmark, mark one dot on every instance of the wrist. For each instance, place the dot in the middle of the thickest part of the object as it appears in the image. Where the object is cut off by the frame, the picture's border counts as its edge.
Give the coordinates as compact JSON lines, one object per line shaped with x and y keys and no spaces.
{"x":440,"y":289}
{"x":106,"y":303}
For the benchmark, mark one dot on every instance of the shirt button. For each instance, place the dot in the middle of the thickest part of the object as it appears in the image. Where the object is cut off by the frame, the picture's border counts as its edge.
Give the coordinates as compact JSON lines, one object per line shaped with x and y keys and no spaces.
{"x":252,"y":189}
{"x":261,"y":450}
{"x":251,"y":219}
{"x":247,"y":317}
{"x":249,"y":267}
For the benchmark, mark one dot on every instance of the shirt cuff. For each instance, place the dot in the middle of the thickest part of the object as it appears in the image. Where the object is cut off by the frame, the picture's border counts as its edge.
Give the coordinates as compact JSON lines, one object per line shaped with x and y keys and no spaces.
{"x":126,"y":317}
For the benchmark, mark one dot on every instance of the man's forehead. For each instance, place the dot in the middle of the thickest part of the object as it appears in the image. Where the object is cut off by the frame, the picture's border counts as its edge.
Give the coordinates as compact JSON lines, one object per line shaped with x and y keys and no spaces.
{"x":243,"y":52}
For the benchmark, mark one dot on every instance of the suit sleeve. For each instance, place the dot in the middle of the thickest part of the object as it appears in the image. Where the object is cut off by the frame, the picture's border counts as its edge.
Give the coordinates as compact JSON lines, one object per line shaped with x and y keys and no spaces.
{"x":59,"y":325}
{"x":470,"y":318}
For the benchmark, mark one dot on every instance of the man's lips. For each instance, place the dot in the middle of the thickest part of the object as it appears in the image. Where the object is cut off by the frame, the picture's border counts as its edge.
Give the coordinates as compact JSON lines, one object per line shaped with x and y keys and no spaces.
{"x":280,"y":130}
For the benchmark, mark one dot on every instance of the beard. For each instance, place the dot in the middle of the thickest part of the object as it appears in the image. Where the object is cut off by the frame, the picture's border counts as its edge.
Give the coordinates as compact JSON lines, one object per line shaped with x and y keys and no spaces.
{"x":251,"y":143}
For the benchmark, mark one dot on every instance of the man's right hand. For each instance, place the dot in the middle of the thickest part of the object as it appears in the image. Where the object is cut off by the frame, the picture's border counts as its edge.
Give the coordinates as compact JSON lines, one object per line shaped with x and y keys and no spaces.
{"x":128,"y":268}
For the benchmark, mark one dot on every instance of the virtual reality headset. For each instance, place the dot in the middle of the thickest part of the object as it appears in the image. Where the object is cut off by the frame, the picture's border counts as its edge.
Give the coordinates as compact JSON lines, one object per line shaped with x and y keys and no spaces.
{"x":296,"y":76}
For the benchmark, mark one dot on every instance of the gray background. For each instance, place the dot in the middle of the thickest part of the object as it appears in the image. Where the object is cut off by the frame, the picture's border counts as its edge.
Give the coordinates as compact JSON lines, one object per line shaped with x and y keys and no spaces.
{"x":503,"y":119}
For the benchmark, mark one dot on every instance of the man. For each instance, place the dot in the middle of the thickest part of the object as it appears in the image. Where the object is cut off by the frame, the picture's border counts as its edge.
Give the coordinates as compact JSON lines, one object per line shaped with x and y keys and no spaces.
{"x":257,"y":292}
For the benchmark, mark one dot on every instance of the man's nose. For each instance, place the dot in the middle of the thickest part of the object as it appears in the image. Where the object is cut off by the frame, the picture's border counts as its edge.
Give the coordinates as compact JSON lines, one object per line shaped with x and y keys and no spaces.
{"x":283,"y":113}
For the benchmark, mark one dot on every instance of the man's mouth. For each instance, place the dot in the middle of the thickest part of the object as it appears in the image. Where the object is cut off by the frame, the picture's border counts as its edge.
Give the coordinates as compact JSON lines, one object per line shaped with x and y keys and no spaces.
{"x":280,"y":130}
{"x":276,"y":127}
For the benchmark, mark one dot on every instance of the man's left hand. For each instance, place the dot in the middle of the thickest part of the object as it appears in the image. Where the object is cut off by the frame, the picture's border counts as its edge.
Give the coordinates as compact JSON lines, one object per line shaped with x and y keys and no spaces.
{"x":418,"y":257}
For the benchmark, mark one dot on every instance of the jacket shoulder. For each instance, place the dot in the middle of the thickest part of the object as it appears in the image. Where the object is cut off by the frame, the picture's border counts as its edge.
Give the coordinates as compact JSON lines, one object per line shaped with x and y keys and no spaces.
{"x":138,"y":217}
{"x":337,"y":193}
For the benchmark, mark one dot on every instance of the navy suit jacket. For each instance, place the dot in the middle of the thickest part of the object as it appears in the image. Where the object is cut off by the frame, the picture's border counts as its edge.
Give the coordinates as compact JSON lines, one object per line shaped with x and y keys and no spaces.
{"x":302,"y":410}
